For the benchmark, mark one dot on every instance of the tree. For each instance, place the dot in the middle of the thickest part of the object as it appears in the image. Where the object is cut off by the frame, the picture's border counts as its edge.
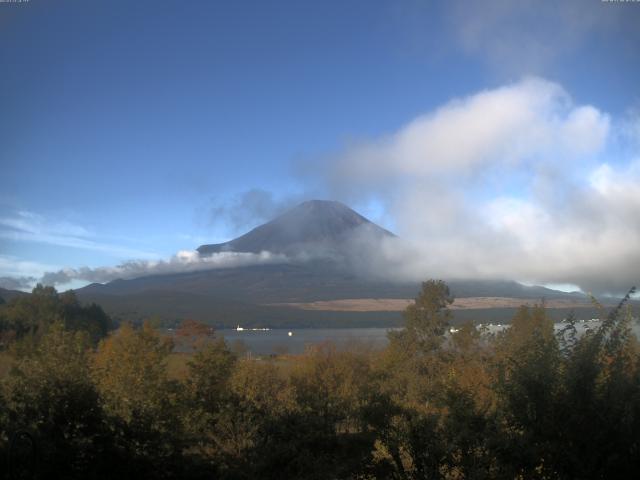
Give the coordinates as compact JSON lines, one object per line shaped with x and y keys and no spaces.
{"x":194,"y":334}
{"x":29,"y":317}
{"x":49,"y":393}
{"x":207,"y":396}
{"x":528,"y":383}
{"x":90,"y":318}
{"x":330,"y":384}
{"x":129,"y":369}
{"x":427,"y":319}
{"x":248,"y":425}
{"x":414,"y":377}
{"x":601,"y":380}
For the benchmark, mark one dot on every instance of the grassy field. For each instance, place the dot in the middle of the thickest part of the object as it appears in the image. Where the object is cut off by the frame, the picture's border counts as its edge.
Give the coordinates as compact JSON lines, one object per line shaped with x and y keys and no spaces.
{"x":398,"y":305}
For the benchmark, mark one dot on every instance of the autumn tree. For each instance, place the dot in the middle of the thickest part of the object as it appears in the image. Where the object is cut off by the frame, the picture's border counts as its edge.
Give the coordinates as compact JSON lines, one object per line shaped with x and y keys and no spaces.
{"x":414,"y":380}
{"x":251,"y":427}
{"x":208,"y":399}
{"x":333,"y":385}
{"x":129,"y":370}
{"x":194,"y":334}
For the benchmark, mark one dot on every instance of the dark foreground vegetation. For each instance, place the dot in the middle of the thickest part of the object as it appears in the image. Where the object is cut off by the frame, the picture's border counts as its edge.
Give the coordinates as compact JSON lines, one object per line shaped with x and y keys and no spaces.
{"x":80,"y":401}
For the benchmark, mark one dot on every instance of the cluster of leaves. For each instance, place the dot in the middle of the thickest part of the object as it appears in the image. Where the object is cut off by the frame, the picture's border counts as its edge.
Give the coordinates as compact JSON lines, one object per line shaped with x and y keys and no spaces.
{"x":525,"y":403}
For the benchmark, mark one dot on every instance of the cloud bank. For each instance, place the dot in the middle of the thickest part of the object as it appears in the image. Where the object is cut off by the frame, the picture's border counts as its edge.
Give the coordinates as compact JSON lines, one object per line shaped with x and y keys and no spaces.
{"x":183,"y":261}
{"x":517,"y":182}
{"x":17,"y":283}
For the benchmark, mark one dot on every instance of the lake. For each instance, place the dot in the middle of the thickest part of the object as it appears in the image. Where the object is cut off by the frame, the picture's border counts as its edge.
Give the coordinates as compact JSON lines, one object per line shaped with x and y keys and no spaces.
{"x":278,"y":341}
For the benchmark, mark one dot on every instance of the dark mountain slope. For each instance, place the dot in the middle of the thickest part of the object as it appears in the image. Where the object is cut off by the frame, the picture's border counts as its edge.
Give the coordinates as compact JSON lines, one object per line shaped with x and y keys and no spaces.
{"x":311,"y":226}
{"x":260,"y":284}
{"x":7,"y":295}
{"x":300,"y":283}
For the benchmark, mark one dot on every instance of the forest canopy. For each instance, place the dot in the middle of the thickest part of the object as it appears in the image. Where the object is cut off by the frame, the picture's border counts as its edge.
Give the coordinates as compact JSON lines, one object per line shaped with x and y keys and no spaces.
{"x":81,"y":400}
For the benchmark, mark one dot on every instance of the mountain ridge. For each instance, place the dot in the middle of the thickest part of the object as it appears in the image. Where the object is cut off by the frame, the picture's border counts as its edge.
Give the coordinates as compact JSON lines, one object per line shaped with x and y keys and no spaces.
{"x":314,"y":225}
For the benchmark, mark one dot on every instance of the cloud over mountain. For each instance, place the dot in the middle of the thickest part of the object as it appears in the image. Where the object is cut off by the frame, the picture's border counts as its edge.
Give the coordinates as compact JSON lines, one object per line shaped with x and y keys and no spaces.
{"x":514,"y":182}
{"x":17,"y":283}
{"x":248,"y":209}
{"x":183,"y":261}
{"x":324,"y":231}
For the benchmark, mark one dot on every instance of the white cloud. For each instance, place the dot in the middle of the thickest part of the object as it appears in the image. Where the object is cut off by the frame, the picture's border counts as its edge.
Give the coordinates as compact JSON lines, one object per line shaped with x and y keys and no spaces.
{"x":183,"y":261}
{"x":13,"y":266}
{"x":515,"y":124}
{"x":585,"y":130}
{"x":18,"y":274}
{"x":507,"y":183}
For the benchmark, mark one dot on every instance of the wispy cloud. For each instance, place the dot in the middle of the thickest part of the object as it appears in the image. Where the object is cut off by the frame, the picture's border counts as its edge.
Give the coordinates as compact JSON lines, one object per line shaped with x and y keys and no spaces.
{"x":248,"y":209}
{"x":529,"y":36}
{"x":25,"y":226}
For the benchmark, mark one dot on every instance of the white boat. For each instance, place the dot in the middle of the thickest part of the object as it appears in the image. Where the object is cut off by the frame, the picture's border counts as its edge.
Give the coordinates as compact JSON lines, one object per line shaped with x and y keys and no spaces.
{"x":242,"y":329}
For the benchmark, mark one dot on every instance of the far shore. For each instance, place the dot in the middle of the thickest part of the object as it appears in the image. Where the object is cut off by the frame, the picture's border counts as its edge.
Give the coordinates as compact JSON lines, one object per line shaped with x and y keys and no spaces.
{"x":399,"y":304}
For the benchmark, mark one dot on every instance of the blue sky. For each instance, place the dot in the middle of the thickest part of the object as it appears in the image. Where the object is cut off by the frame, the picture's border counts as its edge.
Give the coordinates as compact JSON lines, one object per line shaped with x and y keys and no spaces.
{"x":132,"y":130}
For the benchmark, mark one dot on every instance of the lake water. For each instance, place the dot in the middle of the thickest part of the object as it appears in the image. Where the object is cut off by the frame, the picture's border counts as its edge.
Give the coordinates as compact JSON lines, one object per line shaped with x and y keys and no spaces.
{"x":278,"y":341}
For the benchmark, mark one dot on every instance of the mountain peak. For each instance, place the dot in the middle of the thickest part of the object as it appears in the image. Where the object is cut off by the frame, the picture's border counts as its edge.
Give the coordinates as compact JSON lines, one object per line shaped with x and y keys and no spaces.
{"x":312,"y":224}
{"x":316,"y":203}
{"x":322,"y":205}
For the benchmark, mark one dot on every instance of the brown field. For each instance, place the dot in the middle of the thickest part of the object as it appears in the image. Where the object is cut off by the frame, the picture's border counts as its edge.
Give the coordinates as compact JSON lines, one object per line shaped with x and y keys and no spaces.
{"x":399,"y":304}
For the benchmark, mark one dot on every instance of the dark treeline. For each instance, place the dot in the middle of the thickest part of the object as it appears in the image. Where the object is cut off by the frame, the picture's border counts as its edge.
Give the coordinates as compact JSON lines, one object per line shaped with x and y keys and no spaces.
{"x":79,"y":400}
